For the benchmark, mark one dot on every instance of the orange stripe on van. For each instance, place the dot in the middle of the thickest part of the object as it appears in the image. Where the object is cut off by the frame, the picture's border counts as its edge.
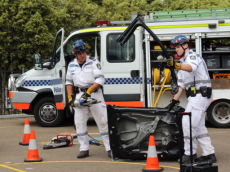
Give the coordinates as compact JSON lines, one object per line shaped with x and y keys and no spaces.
{"x":59,"y":105}
{"x":22,"y":105}
{"x":11,"y":94}
{"x":126,"y":104}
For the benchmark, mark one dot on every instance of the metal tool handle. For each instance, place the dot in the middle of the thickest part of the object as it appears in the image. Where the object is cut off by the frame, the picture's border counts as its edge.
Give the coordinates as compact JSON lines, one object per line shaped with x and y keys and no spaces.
{"x":179,"y":120}
{"x":130,"y":30}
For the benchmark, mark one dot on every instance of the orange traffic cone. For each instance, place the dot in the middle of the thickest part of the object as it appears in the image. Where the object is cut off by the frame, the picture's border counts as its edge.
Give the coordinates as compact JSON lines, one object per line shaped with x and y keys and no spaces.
{"x":32,"y":155}
{"x":26,"y":134}
{"x":152,"y":159}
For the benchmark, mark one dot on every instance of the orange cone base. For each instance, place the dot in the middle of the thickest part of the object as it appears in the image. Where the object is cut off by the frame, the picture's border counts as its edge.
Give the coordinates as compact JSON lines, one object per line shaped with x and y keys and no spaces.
{"x":37,"y":160}
{"x":153,"y":170}
{"x":23,"y":144}
{"x":33,"y":156}
{"x":25,"y":140}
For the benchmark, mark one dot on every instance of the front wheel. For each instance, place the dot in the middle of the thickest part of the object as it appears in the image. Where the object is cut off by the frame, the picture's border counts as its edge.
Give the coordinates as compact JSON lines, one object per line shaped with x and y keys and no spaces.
{"x":46,"y":113}
{"x":218,"y":113}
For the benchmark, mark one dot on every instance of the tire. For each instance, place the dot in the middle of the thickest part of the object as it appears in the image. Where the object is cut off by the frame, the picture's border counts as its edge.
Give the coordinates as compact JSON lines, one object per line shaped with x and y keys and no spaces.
{"x":218,"y":113}
{"x":46,"y":113}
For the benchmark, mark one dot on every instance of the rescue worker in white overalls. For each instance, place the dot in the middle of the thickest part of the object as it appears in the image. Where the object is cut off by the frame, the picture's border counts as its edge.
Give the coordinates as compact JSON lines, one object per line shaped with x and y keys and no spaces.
{"x":193,"y":77}
{"x":86,"y":75}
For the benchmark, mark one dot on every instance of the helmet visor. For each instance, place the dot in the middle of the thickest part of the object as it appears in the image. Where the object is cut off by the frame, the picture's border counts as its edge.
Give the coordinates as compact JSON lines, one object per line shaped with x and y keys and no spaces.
{"x":175,"y":41}
{"x":80,"y":48}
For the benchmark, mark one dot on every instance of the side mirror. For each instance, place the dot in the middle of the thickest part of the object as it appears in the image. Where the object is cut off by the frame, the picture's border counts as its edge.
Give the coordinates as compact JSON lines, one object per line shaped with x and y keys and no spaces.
{"x":37,"y":61}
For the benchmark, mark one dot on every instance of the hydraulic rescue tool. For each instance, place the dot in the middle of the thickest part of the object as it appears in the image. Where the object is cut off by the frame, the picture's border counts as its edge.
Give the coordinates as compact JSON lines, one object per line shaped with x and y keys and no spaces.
{"x":82,"y":102}
{"x":64,"y":140}
{"x":130,"y":30}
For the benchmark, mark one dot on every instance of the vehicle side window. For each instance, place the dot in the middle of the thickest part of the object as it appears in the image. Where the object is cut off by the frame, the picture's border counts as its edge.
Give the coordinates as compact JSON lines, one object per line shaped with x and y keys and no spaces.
{"x":56,"y":50}
{"x":68,"y":49}
{"x":117,"y":53}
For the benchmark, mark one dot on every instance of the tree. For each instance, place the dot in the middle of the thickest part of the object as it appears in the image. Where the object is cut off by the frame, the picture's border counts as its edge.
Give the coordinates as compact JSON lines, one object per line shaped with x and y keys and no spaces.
{"x":27,"y":26}
{"x":8,"y":36}
{"x":121,"y":10}
{"x":98,"y":2}
{"x":39,"y":21}
{"x":81,"y":14}
{"x":208,"y":4}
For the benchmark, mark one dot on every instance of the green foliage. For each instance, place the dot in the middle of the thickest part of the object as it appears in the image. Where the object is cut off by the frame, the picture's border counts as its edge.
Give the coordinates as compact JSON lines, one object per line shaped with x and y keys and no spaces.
{"x":81,"y":14}
{"x":207,"y":4}
{"x":98,"y":2}
{"x":121,"y":10}
{"x":29,"y":26}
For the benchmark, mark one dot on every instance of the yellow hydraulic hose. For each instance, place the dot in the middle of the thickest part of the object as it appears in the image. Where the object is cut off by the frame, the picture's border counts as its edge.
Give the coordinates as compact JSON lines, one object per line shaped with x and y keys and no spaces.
{"x":167,"y":71}
{"x":99,"y":141}
{"x":156,"y":80}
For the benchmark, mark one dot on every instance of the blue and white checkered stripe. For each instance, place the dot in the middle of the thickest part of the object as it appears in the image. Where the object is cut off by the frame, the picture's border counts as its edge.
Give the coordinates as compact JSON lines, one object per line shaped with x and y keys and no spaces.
{"x":114,"y":81}
{"x":149,"y":81}
{"x":56,"y":81}
{"x":36,"y":83}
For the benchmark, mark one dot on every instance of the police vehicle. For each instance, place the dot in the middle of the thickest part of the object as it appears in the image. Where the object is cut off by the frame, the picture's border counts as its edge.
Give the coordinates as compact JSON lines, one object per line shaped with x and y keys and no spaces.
{"x":132,"y":72}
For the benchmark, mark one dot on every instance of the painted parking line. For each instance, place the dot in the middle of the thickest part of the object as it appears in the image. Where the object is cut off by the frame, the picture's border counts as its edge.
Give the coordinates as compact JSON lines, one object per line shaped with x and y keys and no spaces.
{"x":109,"y":162}
{"x":11,"y":168}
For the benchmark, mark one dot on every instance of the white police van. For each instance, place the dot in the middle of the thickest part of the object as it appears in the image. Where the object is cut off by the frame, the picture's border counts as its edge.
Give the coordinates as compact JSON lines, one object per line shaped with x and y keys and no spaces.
{"x":133,"y":77}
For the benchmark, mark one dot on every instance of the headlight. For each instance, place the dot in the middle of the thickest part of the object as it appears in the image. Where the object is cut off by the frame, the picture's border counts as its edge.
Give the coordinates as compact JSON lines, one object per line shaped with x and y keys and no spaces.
{"x":20,"y":80}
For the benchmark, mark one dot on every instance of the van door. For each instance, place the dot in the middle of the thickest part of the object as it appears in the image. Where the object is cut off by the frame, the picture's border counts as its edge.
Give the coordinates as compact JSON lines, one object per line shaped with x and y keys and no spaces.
{"x":121,"y":66}
{"x":58,"y":65}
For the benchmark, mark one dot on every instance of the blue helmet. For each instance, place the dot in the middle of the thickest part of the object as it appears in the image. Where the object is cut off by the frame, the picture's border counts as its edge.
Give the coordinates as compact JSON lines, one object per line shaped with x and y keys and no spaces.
{"x":179,"y":40}
{"x":79,"y":46}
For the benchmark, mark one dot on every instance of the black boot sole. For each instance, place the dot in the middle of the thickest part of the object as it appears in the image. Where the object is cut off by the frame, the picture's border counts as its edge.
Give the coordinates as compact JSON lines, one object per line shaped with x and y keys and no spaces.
{"x":207,"y":161}
{"x":82,"y":156}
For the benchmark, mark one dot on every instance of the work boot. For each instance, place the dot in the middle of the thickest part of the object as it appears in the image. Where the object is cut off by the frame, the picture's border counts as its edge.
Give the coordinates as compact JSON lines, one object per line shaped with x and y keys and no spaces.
{"x":210,"y":158}
{"x":109,"y":153}
{"x":187,"y":158}
{"x":83,"y":154}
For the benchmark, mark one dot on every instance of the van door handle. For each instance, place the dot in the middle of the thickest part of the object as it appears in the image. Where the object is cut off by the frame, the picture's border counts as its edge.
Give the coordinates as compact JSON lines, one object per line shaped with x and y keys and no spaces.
{"x":60,"y":73}
{"x":135,"y":73}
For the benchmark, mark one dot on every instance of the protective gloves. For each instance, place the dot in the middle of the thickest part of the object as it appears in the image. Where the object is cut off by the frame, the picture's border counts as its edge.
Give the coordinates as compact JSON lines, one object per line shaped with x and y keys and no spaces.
{"x":172,"y":63}
{"x":71,"y":99}
{"x":172,"y":104}
{"x":88,"y":93}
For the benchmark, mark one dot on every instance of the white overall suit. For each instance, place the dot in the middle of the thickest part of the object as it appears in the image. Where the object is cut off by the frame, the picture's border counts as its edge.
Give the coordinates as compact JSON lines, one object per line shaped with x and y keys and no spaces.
{"x":196,"y":105}
{"x":84,"y":77}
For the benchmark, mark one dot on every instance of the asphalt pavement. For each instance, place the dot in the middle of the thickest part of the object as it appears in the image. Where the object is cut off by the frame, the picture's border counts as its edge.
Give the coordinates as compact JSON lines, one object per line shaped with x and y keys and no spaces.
{"x":15,"y":116}
{"x":12,"y":154}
